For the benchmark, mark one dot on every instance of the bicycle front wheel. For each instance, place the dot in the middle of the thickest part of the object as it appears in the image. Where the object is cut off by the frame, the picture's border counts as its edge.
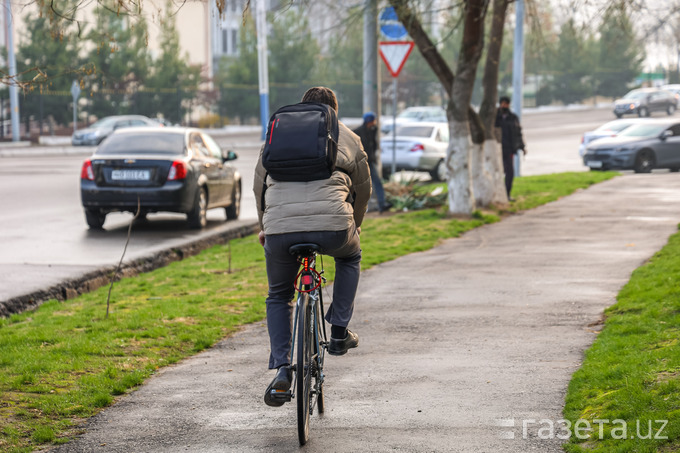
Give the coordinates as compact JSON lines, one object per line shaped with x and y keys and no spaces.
{"x":304,"y":367}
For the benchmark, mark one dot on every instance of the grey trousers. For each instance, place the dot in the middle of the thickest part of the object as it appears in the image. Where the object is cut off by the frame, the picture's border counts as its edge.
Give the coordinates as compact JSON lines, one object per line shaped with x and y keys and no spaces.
{"x":282,"y":268}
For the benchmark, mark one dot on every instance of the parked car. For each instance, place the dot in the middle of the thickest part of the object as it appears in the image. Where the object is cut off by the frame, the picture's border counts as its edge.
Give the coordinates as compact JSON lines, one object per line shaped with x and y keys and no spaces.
{"x":412,"y":114}
{"x":167,"y":169}
{"x":610,"y":129}
{"x":675,"y":89}
{"x":641,"y":147}
{"x":644,"y":101}
{"x":102,"y":128}
{"x":419,"y":147}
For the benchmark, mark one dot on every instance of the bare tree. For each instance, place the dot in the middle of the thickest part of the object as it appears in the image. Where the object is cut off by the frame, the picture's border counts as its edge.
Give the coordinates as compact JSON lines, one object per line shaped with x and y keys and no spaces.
{"x":468,"y":130}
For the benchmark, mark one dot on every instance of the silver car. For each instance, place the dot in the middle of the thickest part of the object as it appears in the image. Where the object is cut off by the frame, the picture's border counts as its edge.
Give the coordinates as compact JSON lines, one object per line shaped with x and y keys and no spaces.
{"x":610,"y":129}
{"x":642,"y":147}
{"x":428,"y":113}
{"x":419,"y":147}
{"x":98,"y":131}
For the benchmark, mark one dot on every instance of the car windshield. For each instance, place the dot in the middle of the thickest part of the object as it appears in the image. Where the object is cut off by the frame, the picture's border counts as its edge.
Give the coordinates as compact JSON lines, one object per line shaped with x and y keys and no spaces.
{"x":635,"y":95}
{"x":415,"y":131}
{"x":143,"y":143}
{"x":104,"y":122}
{"x":410,"y":114}
{"x":614,"y":126}
{"x":643,"y":130}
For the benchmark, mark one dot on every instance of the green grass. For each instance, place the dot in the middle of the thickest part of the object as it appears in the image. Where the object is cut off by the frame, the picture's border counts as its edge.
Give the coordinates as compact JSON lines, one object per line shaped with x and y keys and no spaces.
{"x":66,"y":361}
{"x":632,"y":371}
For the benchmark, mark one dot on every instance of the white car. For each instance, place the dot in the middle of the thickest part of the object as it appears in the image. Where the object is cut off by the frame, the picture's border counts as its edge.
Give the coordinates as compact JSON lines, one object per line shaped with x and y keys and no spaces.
{"x":420,"y":146}
{"x":425,"y":113}
{"x":610,"y":129}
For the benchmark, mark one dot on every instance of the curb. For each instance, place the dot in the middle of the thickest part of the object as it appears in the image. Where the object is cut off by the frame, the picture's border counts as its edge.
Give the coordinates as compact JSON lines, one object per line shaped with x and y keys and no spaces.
{"x":68,"y":289}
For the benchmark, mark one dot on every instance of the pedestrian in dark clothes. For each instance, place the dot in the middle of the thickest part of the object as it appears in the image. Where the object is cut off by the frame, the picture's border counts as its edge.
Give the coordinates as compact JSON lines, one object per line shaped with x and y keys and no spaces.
{"x":510,"y":131}
{"x":367,"y":133}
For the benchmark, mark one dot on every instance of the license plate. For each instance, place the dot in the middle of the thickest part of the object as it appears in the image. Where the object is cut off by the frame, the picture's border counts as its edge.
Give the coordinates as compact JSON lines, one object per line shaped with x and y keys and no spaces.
{"x":130,"y":175}
{"x":594,"y":164}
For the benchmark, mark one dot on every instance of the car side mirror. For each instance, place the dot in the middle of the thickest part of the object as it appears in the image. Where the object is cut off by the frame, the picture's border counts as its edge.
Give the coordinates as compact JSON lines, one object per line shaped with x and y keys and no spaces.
{"x":665,"y":134}
{"x":229,"y":155}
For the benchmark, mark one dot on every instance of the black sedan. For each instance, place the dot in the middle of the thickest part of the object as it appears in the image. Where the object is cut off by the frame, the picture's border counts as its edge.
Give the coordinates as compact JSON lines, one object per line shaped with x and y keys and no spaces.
{"x":159,"y":169}
{"x":641,"y":147}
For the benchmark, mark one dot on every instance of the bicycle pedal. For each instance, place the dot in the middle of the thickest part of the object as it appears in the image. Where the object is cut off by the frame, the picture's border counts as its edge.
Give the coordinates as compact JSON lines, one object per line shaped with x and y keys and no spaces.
{"x":281,"y":395}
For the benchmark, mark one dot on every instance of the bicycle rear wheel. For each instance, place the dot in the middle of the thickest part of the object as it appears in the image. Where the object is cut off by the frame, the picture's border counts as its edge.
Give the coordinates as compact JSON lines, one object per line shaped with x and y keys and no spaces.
{"x":319,"y":357}
{"x":304,"y":367}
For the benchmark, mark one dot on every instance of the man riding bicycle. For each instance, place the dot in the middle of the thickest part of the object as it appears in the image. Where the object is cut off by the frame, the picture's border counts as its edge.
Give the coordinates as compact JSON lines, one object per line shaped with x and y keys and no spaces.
{"x":327,"y":212}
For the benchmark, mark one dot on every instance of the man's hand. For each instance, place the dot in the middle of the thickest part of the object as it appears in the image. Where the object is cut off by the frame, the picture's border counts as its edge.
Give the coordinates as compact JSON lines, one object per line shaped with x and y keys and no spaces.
{"x":260,"y":237}
{"x":524,"y":150}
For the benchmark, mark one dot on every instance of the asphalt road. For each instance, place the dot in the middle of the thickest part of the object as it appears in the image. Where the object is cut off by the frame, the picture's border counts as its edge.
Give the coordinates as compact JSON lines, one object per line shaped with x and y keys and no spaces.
{"x":44,"y":238}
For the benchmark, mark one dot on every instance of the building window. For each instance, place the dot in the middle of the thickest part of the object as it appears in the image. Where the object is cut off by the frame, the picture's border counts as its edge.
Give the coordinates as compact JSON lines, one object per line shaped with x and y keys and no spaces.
{"x":224,"y":42}
{"x":234,"y":41}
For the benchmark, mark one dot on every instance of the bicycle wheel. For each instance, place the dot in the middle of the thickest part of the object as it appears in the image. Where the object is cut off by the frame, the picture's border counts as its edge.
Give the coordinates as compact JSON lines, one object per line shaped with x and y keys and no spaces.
{"x":319,"y":355}
{"x":304,"y":368}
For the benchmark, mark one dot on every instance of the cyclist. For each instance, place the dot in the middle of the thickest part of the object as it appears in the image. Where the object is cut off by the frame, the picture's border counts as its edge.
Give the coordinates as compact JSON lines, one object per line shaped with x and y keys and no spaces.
{"x":326,"y":212}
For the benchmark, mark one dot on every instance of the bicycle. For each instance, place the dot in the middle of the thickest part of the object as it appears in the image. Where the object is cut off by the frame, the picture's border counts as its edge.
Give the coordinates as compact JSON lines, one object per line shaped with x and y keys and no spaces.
{"x":309,"y":336}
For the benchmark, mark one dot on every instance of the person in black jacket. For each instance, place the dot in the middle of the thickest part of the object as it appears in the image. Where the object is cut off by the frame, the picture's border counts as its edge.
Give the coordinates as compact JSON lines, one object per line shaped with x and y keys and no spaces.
{"x":367,"y":133}
{"x":511,"y":140}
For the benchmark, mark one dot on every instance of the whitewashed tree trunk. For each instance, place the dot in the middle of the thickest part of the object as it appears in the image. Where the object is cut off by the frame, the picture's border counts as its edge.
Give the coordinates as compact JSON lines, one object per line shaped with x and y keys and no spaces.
{"x":482,"y":182}
{"x":493,"y":163}
{"x":461,"y":195}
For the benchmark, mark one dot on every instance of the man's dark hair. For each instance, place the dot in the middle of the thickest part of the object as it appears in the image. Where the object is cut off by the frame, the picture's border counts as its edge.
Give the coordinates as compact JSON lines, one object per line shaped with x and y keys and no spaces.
{"x":322,"y":95}
{"x":504,"y":99}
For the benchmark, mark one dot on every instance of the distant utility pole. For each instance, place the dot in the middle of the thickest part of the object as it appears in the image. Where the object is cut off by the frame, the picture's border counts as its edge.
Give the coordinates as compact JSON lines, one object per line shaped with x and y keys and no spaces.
{"x":13,"y":94}
{"x":371,"y":86}
{"x":371,"y":92}
{"x":518,"y":69}
{"x":262,"y":62}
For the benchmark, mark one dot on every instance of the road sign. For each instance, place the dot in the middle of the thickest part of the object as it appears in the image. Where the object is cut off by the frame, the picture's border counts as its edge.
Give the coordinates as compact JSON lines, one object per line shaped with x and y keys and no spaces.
{"x":395,"y":54}
{"x":390,"y":25}
{"x":75,"y":90}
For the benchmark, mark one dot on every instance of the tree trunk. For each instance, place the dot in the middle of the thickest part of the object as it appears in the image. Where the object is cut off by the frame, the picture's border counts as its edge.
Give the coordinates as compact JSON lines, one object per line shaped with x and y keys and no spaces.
{"x":461,"y":198}
{"x":490,"y":185}
{"x":460,"y":147}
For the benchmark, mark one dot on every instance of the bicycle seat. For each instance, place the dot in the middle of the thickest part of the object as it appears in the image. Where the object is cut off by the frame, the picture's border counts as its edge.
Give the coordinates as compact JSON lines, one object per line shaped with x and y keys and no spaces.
{"x":304,"y":249}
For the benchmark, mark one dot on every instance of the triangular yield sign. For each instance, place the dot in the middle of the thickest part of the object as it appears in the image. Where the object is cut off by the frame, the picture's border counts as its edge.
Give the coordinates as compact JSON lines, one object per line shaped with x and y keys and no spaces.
{"x":394,"y":54}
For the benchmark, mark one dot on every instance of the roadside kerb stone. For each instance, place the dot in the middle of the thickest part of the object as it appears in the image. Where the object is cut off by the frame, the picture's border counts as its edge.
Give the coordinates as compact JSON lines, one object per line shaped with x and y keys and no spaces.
{"x":90,"y":281}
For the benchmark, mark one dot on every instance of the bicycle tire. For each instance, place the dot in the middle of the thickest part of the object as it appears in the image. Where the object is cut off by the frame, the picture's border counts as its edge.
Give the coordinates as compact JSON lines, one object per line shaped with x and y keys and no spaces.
{"x":319,"y":354}
{"x":304,"y":368}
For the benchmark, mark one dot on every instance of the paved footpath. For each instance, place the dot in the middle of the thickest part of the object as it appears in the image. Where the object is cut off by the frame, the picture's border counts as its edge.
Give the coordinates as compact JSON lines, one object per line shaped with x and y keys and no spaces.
{"x":486,"y":327}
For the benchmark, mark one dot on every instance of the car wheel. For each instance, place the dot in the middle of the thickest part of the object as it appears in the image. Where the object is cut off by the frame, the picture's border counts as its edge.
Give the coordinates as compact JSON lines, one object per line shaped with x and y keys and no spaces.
{"x":438,"y":173}
{"x":674,"y":169}
{"x":671,"y":109}
{"x":644,"y":161}
{"x":95,"y":218}
{"x":618,"y":115}
{"x":643,"y":111}
{"x":197,"y":217}
{"x":234,"y":209}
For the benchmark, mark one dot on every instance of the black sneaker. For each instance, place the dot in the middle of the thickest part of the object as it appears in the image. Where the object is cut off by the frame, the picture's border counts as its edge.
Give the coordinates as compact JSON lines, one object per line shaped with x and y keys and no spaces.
{"x":340,"y":347}
{"x":281,"y":382}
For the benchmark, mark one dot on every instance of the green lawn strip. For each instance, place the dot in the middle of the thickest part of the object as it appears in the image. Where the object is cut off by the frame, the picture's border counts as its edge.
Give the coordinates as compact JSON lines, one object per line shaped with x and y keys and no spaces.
{"x":65,"y":361}
{"x":632,"y":371}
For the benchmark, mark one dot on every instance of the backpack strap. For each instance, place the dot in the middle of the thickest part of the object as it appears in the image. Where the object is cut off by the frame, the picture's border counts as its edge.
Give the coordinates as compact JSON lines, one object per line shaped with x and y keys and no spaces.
{"x":264,"y":189}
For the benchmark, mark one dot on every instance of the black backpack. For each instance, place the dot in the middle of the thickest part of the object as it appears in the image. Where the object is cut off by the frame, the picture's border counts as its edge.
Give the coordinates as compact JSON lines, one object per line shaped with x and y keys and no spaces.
{"x":301,"y":142}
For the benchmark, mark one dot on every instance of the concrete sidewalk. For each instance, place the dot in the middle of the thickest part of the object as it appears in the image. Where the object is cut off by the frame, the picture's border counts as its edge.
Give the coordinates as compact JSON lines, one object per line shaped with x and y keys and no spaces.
{"x":481,"y":331}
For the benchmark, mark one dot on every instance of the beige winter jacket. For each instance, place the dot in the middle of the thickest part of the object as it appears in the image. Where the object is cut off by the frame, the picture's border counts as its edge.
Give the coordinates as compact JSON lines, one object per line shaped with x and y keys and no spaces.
{"x":332,"y":204}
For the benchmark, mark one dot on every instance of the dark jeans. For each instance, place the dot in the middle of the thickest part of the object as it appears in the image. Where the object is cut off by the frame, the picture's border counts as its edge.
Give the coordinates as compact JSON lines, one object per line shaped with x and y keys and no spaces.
{"x":282,"y":268}
{"x":509,"y":168}
{"x":377,"y":186}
